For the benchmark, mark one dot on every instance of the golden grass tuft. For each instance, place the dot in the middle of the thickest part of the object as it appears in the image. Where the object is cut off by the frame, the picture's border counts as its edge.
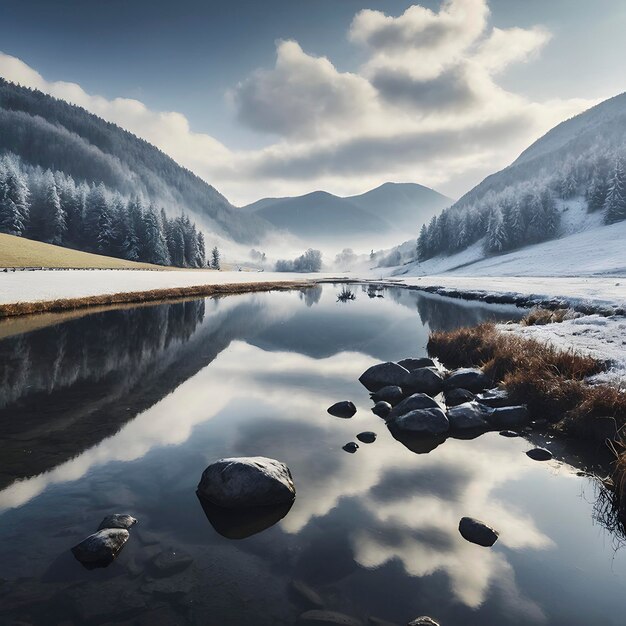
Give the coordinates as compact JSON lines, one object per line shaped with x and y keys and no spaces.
{"x":539,"y":315}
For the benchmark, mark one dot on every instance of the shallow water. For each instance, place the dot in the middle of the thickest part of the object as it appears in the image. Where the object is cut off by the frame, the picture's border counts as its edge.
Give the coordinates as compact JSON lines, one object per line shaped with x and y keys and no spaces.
{"x":121,"y":411}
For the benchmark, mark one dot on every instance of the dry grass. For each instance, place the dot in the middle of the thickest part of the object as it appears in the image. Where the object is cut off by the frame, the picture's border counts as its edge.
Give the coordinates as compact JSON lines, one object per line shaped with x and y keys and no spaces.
{"x":136,"y":297}
{"x":538,"y":315}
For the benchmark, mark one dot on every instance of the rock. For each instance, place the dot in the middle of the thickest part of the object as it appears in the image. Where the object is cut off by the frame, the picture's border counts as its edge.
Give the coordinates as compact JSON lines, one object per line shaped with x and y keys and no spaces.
{"x":170,"y":562}
{"x":327,"y":618}
{"x":174,"y":586}
{"x":391,"y":393}
{"x":509,"y":433}
{"x":470,"y":378}
{"x":246,"y":482}
{"x":424,"y":620}
{"x":306,"y":594}
{"x":367,"y":437}
{"x":117,"y":520}
{"x":382,"y":409}
{"x":415,"y":364}
{"x":101,"y":547}
{"x":425,"y":380}
{"x":495,"y":398}
{"x":427,"y":422}
{"x":384,"y":375}
{"x":468,"y":416}
{"x":412,"y":403}
{"x":454,"y":397}
{"x":351,"y":447}
{"x":343,"y":409}
{"x":506,"y":417}
{"x":477,"y":532}
{"x":539,"y":454}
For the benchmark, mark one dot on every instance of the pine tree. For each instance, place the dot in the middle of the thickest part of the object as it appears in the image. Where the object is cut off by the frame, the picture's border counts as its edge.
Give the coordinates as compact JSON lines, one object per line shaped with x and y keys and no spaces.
{"x":551,"y":215}
{"x":496,"y":237}
{"x":422,"y":244}
{"x":215,"y":258}
{"x":14,"y":203}
{"x":596,"y":194}
{"x":615,"y":203}
{"x":51,"y":215}
{"x":201,"y":261}
{"x":156,"y":246}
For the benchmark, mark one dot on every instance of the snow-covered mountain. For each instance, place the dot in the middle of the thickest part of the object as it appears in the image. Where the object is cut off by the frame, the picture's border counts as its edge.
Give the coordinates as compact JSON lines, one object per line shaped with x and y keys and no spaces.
{"x":321,"y":215}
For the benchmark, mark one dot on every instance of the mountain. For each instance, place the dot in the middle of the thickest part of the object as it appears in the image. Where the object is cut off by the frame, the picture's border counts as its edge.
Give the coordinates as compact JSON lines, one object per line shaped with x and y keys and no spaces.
{"x":50,"y":133}
{"x":390,"y":207}
{"x":571,"y":179}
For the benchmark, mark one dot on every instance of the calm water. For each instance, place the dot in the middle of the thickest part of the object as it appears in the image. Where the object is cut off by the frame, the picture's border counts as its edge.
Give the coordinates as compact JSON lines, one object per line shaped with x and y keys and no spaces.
{"x":121,"y":411}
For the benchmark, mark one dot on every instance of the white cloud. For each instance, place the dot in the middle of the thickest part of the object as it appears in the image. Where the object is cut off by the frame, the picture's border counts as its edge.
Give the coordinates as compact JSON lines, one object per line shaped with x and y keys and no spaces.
{"x":424,"y":107}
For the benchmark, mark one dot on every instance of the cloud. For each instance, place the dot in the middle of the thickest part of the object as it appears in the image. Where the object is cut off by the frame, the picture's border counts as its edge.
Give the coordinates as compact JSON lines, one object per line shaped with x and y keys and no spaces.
{"x":425,"y":106}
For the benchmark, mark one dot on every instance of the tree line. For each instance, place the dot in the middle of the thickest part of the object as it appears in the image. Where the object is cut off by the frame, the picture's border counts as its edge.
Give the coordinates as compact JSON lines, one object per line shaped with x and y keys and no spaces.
{"x":50,"y":206}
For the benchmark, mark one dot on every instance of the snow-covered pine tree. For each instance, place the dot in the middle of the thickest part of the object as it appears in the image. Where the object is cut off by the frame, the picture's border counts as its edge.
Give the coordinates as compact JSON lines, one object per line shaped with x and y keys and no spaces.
{"x":551,"y":215}
{"x":422,"y":245}
{"x":215,"y":258}
{"x":155,"y":244}
{"x":51,"y":215}
{"x":596,"y":193}
{"x":201,"y":250}
{"x":496,"y":237}
{"x":615,"y":203}
{"x":14,"y":198}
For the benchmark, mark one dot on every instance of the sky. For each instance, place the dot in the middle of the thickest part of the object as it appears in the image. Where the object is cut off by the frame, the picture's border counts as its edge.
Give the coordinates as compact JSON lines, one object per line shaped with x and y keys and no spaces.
{"x":286,"y":97}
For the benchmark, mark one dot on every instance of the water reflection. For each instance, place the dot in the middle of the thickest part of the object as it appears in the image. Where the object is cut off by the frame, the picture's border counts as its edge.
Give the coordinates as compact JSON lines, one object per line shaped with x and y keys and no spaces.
{"x":375,"y":533}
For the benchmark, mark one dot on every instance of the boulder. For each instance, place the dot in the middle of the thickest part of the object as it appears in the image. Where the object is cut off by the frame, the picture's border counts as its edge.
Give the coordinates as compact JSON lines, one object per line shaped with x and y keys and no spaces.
{"x":384,"y":375}
{"x":470,"y":378}
{"x":539,"y":454}
{"x":415,"y":364}
{"x":425,"y":380}
{"x":494,"y":398}
{"x":509,"y":433}
{"x":327,"y":618}
{"x":412,"y":403}
{"x":101,"y":547}
{"x":351,"y":447}
{"x":367,"y":437}
{"x":382,"y":409}
{"x":117,"y":520}
{"x":454,"y":397}
{"x":508,"y":416}
{"x":429,"y":422}
{"x":391,"y":393}
{"x":424,"y":620}
{"x":468,"y":416}
{"x":477,"y":532}
{"x":343,"y":409}
{"x":247,"y":482}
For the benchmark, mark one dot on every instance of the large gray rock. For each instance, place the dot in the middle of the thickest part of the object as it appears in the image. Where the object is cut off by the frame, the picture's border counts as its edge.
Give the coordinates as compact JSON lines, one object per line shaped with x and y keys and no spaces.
{"x":427,"y":380}
{"x":424,"y":620}
{"x":509,"y":416}
{"x":391,"y":393}
{"x":470,"y":378}
{"x":247,"y":482}
{"x":539,"y":454}
{"x":415,"y":364}
{"x":382,"y":409}
{"x":468,"y":416}
{"x":454,"y":397}
{"x":384,"y":375}
{"x":427,"y":422}
{"x":327,"y":618}
{"x":477,"y":532}
{"x":345,"y":409}
{"x":494,"y":398}
{"x":412,"y":403}
{"x":101,"y":547}
{"x":117,"y":520}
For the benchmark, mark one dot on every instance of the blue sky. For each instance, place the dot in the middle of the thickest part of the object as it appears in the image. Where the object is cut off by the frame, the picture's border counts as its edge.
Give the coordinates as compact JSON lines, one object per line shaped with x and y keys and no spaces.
{"x":192,"y":57}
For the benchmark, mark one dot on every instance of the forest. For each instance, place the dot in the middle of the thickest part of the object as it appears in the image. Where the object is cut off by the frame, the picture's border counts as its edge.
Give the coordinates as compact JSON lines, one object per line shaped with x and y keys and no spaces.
{"x":50,"y":206}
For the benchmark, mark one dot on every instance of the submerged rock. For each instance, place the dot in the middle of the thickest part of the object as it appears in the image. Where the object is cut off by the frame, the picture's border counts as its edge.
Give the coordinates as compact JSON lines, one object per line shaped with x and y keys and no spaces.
{"x":414,"y":402}
{"x":327,"y":618}
{"x":495,"y":398}
{"x":427,"y":422}
{"x":391,"y":393}
{"x":117,"y":520}
{"x":384,"y":375}
{"x":477,"y":532}
{"x":424,"y":620}
{"x":415,"y":364}
{"x":343,"y":409}
{"x":102,"y":547}
{"x":539,"y":454}
{"x":509,"y":433}
{"x":454,"y":397}
{"x":367,"y":437}
{"x":246,"y":482}
{"x":170,"y":562}
{"x":351,"y":447}
{"x":508,"y":416}
{"x":382,"y":409}
{"x":470,"y":378}
{"x":426,"y":380}
{"x":468,"y":416}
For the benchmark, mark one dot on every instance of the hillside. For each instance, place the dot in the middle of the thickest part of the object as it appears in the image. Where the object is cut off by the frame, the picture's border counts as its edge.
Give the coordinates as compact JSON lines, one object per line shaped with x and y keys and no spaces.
{"x":388,"y":208}
{"x":50,"y":133}
{"x":21,"y":252}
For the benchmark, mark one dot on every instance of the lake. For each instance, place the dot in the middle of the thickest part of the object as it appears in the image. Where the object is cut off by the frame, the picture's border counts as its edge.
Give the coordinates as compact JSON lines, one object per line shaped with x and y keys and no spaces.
{"x":120,"y":411}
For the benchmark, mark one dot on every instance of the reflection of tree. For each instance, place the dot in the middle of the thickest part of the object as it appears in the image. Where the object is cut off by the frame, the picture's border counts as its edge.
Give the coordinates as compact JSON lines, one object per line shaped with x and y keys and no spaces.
{"x":311,"y":295}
